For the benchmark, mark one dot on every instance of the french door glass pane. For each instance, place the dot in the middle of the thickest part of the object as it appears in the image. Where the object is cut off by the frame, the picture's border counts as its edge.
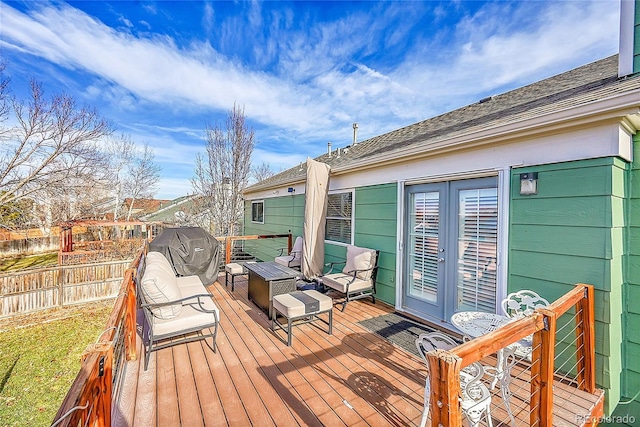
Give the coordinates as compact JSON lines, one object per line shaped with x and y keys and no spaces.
{"x":424,"y":224}
{"x":477,"y":249}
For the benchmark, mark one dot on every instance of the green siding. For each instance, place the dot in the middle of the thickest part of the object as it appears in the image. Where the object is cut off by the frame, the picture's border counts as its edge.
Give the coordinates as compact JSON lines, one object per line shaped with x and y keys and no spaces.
{"x":636,"y":39}
{"x":281,"y":215}
{"x":573,"y":231}
{"x":631,"y":295}
{"x":374,"y":222}
{"x":376,"y":228}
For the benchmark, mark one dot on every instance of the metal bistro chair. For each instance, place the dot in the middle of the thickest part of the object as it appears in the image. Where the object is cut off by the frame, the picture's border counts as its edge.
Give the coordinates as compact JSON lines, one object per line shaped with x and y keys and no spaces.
{"x":475,"y":397}
{"x":520,"y":304}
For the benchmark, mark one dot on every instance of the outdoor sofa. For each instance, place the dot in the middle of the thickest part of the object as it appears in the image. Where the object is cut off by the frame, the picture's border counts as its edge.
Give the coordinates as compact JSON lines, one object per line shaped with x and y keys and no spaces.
{"x":173,"y":306}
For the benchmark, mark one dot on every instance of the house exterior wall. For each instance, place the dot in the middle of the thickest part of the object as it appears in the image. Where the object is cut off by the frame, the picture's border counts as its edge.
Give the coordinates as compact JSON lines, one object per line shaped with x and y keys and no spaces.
{"x":281,"y":215}
{"x":631,"y":296}
{"x":573,"y":231}
{"x":636,"y":39}
{"x":375,"y":228}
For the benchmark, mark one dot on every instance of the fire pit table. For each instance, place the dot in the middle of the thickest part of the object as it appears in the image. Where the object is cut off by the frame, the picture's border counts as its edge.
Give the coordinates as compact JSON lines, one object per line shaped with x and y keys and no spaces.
{"x":267,"y":279}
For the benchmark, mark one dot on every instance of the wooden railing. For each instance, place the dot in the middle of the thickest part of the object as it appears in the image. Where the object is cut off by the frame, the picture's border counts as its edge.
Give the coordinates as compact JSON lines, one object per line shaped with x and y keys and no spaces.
{"x":230,"y":253}
{"x":89,"y":400}
{"x":445,"y":366}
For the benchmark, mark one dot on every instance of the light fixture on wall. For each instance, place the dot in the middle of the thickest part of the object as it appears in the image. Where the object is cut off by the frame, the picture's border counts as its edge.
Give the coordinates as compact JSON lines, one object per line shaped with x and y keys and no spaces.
{"x":291,"y":190}
{"x":528,"y":183}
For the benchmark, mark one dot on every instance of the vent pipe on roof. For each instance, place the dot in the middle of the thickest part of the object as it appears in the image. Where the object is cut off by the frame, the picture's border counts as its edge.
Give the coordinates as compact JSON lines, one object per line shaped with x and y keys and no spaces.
{"x":355,"y":133}
{"x":329,"y":148}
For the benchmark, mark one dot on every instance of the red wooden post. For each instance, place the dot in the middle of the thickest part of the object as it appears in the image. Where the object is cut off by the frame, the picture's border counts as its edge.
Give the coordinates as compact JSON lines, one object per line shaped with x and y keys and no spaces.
{"x":130,"y":317}
{"x":444,"y":376}
{"x":542,"y":369}
{"x":585,"y":342}
{"x":227,"y":255}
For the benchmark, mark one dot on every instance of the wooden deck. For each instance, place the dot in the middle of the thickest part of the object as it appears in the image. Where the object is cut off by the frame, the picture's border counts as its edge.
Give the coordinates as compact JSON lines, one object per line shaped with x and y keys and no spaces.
{"x":353,"y":377}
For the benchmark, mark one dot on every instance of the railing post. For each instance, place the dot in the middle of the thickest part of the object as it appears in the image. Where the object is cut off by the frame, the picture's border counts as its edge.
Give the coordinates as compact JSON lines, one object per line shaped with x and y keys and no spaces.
{"x":101,"y":382}
{"x":130,"y":318}
{"x":542,"y":369}
{"x":585,"y":340}
{"x":227,"y":250}
{"x":289,"y":242}
{"x":444,"y":377}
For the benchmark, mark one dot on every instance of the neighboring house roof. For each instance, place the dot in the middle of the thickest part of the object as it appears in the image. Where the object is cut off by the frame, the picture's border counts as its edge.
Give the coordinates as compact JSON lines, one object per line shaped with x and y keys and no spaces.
{"x":104,"y":207}
{"x":535,"y":106}
{"x":167,"y":212}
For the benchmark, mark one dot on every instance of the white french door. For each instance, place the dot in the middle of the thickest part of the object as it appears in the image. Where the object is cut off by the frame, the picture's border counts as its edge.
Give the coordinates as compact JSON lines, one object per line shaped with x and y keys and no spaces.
{"x":451,"y":235}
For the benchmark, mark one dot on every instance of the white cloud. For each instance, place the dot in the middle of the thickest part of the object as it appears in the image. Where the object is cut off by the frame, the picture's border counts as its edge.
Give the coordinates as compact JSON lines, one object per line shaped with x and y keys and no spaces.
{"x":316,"y":90}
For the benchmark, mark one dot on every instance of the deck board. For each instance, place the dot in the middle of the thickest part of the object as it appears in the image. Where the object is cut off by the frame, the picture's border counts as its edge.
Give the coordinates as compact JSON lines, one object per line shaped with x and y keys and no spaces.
{"x":353,"y":377}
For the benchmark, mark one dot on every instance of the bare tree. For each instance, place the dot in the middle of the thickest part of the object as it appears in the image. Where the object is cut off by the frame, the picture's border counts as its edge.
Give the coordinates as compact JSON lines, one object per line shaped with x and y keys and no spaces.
{"x":142,"y":176}
{"x":120,"y":151}
{"x":52,"y":150}
{"x":261,"y":172}
{"x":221,"y":176}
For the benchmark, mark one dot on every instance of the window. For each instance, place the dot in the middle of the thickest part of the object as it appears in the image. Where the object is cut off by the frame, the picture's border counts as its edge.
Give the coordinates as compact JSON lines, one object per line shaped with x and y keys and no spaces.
{"x":257,"y":211}
{"x":339,"y":217}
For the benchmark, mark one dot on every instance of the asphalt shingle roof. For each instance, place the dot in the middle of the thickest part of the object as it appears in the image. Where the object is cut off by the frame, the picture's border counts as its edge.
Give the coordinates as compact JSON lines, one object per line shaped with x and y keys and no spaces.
{"x":591,"y":82}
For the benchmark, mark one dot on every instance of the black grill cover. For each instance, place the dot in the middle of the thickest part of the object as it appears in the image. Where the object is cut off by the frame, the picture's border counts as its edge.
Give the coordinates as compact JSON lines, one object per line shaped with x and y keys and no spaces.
{"x":191,"y":251}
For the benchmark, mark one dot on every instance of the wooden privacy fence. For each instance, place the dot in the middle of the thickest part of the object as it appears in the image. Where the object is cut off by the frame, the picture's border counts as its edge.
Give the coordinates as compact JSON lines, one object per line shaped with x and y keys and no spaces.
{"x":100,"y":251}
{"x":40,"y":289}
{"x":556,"y":379}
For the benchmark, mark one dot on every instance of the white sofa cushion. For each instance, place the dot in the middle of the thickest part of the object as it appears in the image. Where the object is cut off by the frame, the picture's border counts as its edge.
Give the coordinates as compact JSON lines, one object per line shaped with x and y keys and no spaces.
{"x":195,"y":314}
{"x":160,"y":286}
{"x":158,"y":259}
{"x":360,"y":259}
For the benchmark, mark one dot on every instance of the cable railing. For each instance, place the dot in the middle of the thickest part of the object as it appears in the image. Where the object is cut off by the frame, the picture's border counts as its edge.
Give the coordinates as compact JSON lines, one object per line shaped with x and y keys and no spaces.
{"x":544,"y":370}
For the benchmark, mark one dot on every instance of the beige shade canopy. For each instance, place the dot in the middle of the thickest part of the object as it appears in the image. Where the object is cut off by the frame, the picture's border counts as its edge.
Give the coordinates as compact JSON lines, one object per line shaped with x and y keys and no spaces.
{"x":315,"y":212}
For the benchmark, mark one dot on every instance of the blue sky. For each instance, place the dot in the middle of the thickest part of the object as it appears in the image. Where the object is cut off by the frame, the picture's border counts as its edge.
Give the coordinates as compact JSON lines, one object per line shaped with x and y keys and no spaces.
{"x":304,"y":71}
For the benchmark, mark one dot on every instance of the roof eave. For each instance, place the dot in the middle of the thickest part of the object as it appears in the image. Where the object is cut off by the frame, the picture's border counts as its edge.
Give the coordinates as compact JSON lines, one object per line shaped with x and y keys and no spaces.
{"x":624,"y":108}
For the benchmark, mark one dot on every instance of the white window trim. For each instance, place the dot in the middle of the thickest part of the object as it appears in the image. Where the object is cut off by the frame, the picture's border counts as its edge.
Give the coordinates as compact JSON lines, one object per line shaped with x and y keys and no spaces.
{"x":256,"y":202}
{"x":353,"y":216}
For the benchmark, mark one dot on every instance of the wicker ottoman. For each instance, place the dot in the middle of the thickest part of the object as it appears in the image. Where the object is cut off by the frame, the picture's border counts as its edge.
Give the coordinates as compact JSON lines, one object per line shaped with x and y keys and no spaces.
{"x":300,"y":307}
{"x":233,"y":269}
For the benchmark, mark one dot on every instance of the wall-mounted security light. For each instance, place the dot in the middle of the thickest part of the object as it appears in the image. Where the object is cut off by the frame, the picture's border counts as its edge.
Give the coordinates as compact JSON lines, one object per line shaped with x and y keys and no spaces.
{"x":528,"y":183}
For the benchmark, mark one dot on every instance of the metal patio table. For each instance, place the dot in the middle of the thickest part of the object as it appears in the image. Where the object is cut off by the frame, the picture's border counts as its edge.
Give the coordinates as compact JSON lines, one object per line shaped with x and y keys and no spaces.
{"x":476,"y":324}
{"x":267,"y":279}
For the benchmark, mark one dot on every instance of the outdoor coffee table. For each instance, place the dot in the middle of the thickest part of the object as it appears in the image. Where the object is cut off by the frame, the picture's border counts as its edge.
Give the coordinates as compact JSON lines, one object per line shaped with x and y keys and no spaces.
{"x":267,"y":279}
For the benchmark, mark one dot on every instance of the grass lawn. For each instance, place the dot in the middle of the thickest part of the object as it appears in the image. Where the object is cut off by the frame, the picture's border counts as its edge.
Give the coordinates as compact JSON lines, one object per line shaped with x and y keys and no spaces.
{"x":40,"y":358}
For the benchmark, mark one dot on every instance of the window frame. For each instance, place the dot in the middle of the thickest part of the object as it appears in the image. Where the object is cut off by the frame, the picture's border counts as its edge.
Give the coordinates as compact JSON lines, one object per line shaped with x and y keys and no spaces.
{"x":351,"y":219}
{"x":256,"y":202}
